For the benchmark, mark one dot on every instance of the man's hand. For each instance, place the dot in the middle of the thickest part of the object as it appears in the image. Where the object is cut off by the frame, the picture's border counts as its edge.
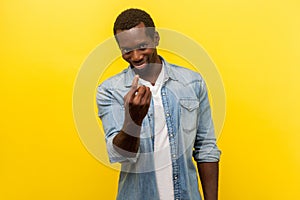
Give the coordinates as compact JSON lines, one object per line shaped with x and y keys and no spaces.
{"x":137,"y":102}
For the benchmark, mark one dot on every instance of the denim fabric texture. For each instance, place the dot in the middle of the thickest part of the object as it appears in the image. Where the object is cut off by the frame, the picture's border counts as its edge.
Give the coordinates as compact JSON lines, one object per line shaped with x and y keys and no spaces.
{"x":190,"y":130}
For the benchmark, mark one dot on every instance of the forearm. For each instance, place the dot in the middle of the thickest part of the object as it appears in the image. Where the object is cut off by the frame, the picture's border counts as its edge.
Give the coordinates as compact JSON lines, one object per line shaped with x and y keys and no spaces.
{"x":126,"y":144}
{"x":209,"y":173}
{"x":128,"y":139}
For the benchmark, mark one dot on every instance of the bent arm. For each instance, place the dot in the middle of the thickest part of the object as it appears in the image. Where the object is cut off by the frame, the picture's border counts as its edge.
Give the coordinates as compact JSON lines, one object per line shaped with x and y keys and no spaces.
{"x":136,"y":103}
{"x":206,"y":152}
{"x":123,"y":142}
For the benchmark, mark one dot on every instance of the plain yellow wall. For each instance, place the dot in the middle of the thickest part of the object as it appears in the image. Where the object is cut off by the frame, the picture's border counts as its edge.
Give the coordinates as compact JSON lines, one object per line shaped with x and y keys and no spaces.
{"x":255,"y":45}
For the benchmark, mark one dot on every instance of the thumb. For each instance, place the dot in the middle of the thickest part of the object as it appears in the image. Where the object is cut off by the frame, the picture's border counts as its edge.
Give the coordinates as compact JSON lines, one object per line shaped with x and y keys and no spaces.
{"x":135,"y":81}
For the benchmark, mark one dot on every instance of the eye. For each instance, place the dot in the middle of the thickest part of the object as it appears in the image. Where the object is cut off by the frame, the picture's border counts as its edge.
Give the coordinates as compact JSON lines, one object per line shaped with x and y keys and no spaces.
{"x":143,"y":46}
{"x":125,"y":51}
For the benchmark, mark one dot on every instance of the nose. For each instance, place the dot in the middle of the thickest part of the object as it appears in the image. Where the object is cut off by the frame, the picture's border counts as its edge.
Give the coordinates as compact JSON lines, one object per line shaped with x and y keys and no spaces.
{"x":136,"y":55}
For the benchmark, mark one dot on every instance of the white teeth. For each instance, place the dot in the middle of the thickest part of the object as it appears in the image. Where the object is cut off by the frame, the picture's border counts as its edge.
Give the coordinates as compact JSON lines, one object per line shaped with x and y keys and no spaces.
{"x":140,"y":66}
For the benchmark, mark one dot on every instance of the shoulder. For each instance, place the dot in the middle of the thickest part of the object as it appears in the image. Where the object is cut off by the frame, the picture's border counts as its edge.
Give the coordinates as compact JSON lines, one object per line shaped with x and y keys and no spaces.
{"x":184,"y":75}
{"x":114,"y":81}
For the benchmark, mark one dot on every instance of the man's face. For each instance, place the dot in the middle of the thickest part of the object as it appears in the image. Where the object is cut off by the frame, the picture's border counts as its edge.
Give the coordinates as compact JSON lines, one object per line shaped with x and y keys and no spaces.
{"x":137,"y":48}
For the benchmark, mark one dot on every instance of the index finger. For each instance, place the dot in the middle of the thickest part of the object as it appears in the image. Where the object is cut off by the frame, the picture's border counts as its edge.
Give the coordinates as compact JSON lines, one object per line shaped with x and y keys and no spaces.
{"x":133,"y":88}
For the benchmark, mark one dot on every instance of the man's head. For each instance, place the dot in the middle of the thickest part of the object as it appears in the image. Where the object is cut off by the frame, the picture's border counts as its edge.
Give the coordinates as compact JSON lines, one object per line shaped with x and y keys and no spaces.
{"x":137,"y":39}
{"x":133,"y":17}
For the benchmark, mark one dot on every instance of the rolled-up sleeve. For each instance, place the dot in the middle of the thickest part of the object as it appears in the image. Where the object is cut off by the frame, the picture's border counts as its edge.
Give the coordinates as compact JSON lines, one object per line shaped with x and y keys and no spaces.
{"x":111,"y":113}
{"x":205,"y":147}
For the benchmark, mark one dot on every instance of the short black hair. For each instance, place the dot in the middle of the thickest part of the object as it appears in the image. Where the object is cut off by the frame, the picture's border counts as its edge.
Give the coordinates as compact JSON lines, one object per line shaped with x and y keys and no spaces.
{"x":132,"y":17}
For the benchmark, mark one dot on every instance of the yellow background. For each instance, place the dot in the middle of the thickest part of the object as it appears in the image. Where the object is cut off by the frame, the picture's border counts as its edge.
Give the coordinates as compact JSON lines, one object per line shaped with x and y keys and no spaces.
{"x":255,"y":44}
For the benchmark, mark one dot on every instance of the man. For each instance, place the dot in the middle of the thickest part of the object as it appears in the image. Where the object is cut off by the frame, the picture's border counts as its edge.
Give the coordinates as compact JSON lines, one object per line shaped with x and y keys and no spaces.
{"x":156,"y":117}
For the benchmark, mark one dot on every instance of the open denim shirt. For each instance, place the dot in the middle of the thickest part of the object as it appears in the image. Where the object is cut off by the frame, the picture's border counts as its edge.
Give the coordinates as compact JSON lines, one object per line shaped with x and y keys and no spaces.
{"x":190,"y":130}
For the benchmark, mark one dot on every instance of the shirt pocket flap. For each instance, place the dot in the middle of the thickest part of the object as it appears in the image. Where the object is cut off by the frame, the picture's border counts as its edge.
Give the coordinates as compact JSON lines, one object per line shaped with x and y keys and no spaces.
{"x":189,"y":104}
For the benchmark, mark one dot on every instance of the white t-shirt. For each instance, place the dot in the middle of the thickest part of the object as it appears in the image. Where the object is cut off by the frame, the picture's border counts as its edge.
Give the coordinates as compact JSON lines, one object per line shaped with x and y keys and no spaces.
{"x":162,"y":154}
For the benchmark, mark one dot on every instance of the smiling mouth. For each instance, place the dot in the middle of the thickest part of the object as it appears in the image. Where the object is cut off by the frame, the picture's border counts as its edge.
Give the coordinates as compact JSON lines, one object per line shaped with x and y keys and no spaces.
{"x":140,"y":66}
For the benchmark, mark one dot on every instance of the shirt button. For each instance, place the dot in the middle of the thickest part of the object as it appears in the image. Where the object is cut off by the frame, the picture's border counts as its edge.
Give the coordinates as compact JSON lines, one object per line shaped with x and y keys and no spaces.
{"x":175,"y":177}
{"x":168,"y":114}
{"x":163,"y":94}
{"x":173,"y":155}
{"x":171,"y":135}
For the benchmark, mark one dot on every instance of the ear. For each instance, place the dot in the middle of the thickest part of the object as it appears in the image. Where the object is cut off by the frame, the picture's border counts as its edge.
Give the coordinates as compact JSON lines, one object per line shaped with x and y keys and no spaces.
{"x":156,"y":38}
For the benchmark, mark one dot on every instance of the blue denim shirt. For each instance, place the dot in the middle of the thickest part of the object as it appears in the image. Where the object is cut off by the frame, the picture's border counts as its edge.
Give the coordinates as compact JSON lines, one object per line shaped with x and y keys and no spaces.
{"x":190,"y":130}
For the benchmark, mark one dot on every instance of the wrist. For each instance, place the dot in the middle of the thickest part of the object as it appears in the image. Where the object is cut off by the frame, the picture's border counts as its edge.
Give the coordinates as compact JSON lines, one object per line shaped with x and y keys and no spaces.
{"x":131,"y":128}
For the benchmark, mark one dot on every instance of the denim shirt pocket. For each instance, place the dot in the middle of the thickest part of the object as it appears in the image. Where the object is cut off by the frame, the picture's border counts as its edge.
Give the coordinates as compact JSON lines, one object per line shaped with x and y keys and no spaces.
{"x":188,"y":114}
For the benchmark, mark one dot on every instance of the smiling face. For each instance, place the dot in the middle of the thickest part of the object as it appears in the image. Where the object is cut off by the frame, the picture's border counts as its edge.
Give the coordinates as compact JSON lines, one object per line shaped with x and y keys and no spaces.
{"x":138,"y":48}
